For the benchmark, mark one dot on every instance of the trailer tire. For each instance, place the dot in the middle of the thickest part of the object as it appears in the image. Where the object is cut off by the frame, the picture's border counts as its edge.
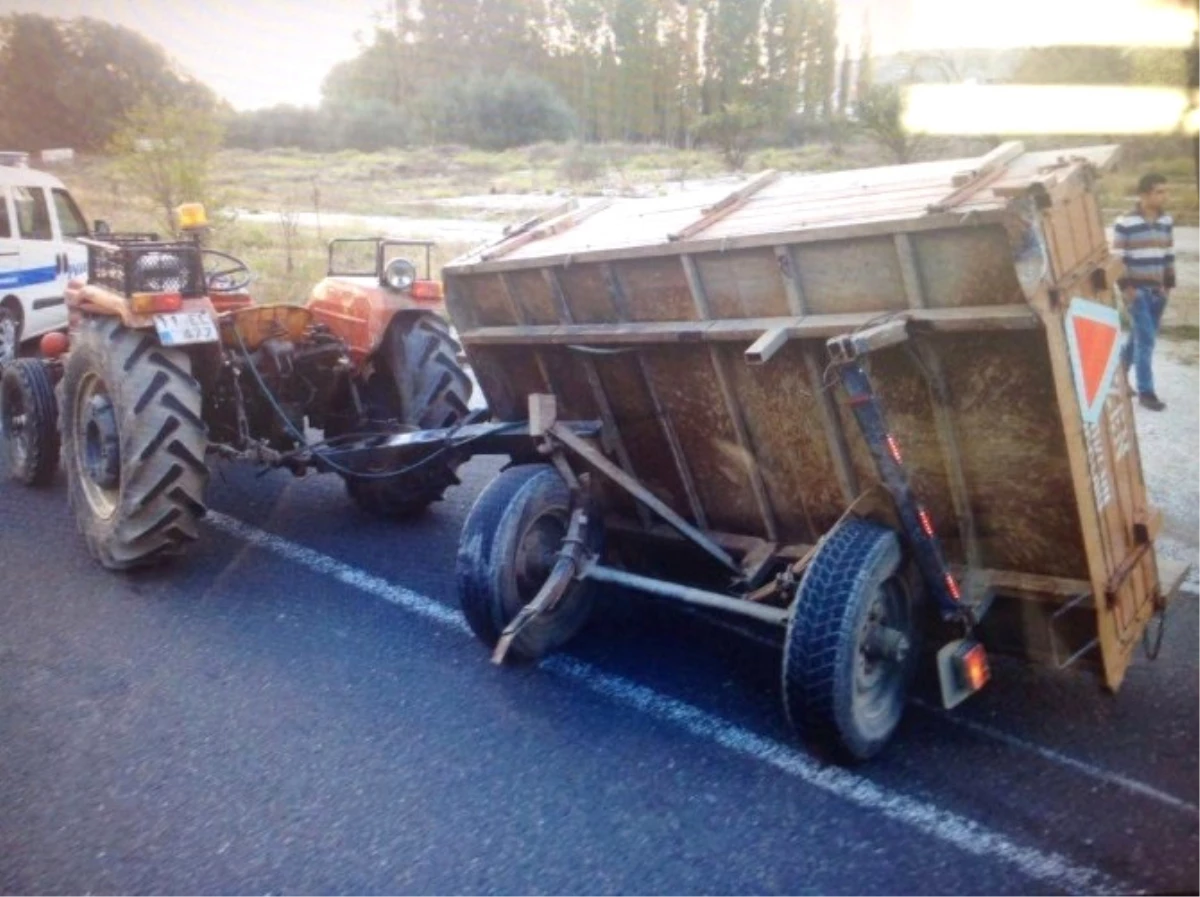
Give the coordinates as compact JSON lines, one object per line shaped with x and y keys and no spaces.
{"x":840,"y":693}
{"x":509,"y":544}
{"x":133,"y":444}
{"x":29,"y":422}
{"x":417,"y":384}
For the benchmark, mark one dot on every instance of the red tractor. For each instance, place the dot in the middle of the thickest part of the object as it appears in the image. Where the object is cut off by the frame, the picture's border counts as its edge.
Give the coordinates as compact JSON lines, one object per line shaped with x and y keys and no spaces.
{"x":168,"y":361}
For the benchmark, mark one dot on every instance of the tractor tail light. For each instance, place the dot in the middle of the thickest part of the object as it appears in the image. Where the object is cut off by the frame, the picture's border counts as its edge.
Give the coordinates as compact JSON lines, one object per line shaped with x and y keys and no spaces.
{"x":963,"y":669}
{"x":427,"y":290}
{"x":153,"y":303}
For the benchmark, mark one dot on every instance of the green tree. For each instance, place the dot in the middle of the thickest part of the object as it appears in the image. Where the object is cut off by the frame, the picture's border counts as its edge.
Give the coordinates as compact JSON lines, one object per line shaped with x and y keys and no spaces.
{"x":164,"y":153}
{"x":881,"y":115}
{"x":732,"y":130}
{"x":68,"y":83}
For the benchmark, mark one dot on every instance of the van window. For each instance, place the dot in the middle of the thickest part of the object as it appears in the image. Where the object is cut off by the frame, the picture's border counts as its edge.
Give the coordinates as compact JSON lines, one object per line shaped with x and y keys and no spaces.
{"x":33,"y":216}
{"x":70,"y":220}
{"x":5,"y":224}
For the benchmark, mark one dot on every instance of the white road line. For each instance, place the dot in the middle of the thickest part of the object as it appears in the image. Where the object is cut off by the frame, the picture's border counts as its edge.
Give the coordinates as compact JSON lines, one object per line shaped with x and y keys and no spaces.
{"x":944,"y":825}
{"x":1092,"y":771}
{"x":1087,"y":769}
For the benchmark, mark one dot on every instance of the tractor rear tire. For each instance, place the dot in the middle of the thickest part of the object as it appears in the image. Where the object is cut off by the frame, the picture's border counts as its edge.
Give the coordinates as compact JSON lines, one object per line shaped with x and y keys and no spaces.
{"x":133,"y":443}
{"x":29,"y":422}
{"x":508,"y":547}
{"x":417,"y":384}
{"x":842,"y":692}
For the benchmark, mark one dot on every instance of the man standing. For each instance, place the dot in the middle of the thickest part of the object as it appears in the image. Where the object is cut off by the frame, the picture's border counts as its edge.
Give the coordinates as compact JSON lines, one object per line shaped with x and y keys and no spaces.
{"x":1143,"y":240}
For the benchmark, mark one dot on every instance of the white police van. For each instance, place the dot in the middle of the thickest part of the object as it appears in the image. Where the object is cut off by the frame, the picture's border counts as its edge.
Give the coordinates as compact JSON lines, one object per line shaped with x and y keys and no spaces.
{"x":40,"y":227}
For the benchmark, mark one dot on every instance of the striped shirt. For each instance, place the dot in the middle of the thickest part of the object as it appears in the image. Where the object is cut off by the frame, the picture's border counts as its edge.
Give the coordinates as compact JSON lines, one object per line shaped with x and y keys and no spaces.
{"x":1146,"y":248}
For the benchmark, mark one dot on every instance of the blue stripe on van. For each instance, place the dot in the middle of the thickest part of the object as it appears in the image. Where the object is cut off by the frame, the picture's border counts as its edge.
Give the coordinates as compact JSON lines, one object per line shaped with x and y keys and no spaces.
{"x":27,"y":277}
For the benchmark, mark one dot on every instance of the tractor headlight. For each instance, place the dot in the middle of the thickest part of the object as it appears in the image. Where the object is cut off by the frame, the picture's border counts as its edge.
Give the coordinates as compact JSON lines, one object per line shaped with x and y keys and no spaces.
{"x":399,"y":274}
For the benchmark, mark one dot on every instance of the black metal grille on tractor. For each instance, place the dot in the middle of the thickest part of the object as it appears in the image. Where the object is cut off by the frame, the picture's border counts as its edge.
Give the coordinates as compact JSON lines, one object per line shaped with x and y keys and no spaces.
{"x":140,"y":263}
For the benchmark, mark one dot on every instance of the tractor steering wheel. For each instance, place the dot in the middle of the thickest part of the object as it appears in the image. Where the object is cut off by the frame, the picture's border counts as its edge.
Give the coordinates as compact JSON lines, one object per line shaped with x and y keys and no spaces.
{"x":224,"y":273}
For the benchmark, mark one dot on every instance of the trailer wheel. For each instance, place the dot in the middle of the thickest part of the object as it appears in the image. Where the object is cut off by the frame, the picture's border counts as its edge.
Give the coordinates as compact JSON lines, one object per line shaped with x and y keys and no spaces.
{"x":508,"y":547}
{"x":417,"y":384}
{"x":850,"y":648}
{"x":29,"y":422}
{"x":133,"y":444}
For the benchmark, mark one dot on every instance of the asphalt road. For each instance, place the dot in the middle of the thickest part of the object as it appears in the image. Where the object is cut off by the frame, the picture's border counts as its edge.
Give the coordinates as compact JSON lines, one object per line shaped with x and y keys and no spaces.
{"x":297,"y":707}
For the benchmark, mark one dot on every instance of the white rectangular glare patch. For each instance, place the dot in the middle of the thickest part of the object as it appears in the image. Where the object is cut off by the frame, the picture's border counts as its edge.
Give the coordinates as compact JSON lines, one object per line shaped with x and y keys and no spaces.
{"x":983,"y":109}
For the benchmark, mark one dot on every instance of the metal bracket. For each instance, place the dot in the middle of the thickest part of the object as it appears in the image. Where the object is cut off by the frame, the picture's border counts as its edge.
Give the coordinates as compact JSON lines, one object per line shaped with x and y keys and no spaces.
{"x":566,"y":569}
{"x":596,"y":459}
{"x":848,"y":347}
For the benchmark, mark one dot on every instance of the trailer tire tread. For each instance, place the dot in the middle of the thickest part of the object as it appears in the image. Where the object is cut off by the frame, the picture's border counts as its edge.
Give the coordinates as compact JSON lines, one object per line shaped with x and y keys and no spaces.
{"x":823,"y":627}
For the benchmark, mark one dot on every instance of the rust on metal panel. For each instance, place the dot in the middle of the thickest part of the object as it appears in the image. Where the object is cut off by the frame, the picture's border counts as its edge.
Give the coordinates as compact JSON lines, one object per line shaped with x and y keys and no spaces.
{"x":743,"y":284}
{"x":970,"y":267}
{"x":622,"y":309}
{"x":487,"y":299}
{"x":585,"y":289}
{"x":1013,"y":453}
{"x":732,"y":404}
{"x":656,"y":290}
{"x":783,"y":416}
{"x":533,"y":295}
{"x":687,"y":387}
{"x":850,"y":276}
{"x":506,"y":375}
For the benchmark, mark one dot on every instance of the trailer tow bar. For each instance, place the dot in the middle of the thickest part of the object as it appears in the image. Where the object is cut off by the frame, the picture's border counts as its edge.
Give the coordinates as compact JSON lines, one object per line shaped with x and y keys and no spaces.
{"x":846,"y":352}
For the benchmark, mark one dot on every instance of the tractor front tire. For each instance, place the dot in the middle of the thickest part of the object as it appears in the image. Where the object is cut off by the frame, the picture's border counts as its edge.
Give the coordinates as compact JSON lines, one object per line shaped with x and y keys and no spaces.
{"x":133,"y":443}
{"x":417,"y":384}
{"x":851,"y":643}
{"x":29,"y":422}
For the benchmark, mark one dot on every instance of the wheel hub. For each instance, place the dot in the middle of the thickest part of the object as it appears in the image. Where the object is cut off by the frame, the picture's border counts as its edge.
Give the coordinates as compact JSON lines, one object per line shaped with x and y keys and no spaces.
{"x":102,"y":452}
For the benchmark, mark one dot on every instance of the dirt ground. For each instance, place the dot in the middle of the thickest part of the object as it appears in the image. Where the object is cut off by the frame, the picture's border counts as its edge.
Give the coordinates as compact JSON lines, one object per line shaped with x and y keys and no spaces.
{"x":1168,"y":442}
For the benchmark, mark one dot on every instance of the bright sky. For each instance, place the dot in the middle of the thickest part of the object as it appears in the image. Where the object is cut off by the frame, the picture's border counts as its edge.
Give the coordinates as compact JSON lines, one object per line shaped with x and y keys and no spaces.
{"x":261,"y":52}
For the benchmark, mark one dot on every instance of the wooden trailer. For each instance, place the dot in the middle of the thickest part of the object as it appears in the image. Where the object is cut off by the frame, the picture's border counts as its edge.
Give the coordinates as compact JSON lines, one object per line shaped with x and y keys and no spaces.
{"x":846,"y":402}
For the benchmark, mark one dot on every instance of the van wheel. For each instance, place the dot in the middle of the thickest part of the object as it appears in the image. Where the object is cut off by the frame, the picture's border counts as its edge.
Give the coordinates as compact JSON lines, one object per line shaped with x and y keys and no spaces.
{"x":10,"y":335}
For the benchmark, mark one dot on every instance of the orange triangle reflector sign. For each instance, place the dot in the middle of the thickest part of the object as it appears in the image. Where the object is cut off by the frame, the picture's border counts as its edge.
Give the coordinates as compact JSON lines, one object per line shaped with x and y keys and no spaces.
{"x":1093,"y":341}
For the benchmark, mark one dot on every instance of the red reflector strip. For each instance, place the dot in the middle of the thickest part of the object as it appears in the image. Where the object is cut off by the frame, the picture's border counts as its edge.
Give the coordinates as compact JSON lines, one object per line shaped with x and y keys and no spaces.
{"x":952,"y":587}
{"x":926,"y":523}
{"x":894,"y":448}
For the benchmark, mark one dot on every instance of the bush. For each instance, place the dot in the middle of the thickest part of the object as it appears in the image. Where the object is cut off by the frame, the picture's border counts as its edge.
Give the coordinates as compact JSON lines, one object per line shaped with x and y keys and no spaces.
{"x":515,"y":110}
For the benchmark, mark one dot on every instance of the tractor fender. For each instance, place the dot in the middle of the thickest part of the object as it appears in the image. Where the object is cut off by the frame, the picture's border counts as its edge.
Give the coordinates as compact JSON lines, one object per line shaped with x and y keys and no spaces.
{"x":360,"y":313}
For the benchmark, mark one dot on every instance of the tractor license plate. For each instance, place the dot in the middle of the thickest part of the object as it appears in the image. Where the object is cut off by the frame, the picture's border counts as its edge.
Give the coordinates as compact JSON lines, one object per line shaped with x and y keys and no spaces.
{"x":186,"y":328}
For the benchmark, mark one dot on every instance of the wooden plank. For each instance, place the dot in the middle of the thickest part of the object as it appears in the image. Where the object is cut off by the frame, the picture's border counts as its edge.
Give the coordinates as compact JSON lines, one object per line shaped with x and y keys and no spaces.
{"x":831,"y":421}
{"x":997,"y":158}
{"x":732,"y":408}
{"x":941,"y":320}
{"x":1077,"y":455}
{"x":734,"y":200}
{"x":1029,"y":585}
{"x":550,"y":228}
{"x":795,"y":235}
